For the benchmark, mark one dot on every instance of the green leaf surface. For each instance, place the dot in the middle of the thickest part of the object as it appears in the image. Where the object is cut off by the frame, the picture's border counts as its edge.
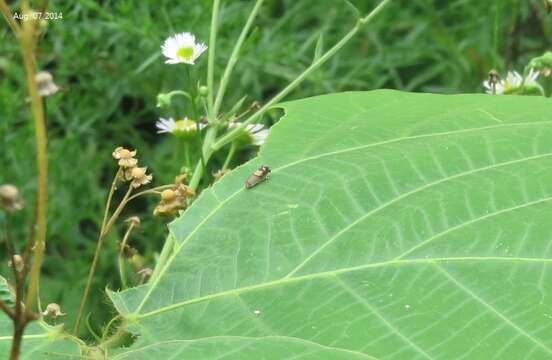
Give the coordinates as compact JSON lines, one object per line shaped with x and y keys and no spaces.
{"x":393,"y":226}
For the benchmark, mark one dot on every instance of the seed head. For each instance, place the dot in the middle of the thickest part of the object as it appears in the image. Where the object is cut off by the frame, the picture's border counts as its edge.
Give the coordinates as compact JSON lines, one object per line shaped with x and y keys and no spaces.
{"x":125,"y":157}
{"x":53,"y":310}
{"x":45,"y":83}
{"x":17,"y":262}
{"x":139,"y":176}
{"x":10,"y":199}
{"x":133,"y":221}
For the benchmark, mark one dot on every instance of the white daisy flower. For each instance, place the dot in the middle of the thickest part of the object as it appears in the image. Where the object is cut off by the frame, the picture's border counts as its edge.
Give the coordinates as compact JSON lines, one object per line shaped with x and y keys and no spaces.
{"x":182,"y":48}
{"x":512,"y":82}
{"x":255,"y":133}
{"x":178,"y":127}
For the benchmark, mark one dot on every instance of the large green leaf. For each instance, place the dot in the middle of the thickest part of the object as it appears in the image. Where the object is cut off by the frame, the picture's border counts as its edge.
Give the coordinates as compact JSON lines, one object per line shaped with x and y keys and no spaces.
{"x":394,"y":226}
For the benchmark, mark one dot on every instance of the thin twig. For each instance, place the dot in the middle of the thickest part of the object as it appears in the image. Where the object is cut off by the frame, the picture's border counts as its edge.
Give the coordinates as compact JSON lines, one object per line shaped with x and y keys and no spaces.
{"x":121,"y":259}
{"x":155,"y":190}
{"x":211,"y":62}
{"x":234,"y":57}
{"x":7,"y":310}
{"x":110,"y":196}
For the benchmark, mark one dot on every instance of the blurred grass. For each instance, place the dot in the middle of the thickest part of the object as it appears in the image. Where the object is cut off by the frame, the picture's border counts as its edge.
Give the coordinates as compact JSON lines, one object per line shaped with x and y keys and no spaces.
{"x":106,"y":57}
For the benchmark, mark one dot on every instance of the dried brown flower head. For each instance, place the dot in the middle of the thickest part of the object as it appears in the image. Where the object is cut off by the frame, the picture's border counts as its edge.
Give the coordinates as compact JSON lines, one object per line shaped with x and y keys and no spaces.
{"x":45,"y":83}
{"x":10,"y":199}
{"x":174,"y":199}
{"x":139,"y":176}
{"x":125,"y":157}
{"x":53,"y":310}
{"x":18,"y":262}
{"x":169,"y":204}
{"x":181,"y":188}
{"x":133,"y":221}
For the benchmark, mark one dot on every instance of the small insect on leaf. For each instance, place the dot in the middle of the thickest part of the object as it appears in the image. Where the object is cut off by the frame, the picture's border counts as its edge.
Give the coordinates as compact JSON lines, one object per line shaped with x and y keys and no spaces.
{"x":258,"y":176}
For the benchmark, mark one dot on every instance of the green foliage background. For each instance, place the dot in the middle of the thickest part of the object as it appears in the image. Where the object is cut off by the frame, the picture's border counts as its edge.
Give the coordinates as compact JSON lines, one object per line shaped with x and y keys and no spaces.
{"x":106,"y":57}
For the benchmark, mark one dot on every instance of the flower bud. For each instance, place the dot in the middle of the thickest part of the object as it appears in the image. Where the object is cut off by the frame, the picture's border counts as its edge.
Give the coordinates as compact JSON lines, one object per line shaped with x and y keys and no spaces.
{"x":133,"y":221}
{"x":125,"y":157}
{"x":139,"y":176}
{"x":163,"y":100}
{"x":10,"y":199}
{"x":168,"y":195}
{"x":53,"y":310}
{"x":203,"y":90}
{"x":45,"y":82}
{"x":17,"y":262}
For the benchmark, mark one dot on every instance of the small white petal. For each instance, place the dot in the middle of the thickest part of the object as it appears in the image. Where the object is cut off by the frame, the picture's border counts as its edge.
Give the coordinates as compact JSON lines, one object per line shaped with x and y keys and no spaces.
{"x":259,"y":138}
{"x":165,"y":125}
{"x":182,"y":48}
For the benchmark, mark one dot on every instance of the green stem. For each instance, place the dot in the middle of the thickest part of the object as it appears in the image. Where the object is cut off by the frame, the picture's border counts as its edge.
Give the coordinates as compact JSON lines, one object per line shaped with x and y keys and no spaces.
{"x":234,"y":57}
{"x":196,"y":117}
{"x":177,"y":92}
{"x":211,"y":62}
{"x":121,"y":258}
{"x":230,"y":155}
{"x":186,"y":145}
{"x":110,"y":196}
{"x":27,"y":44}
{"x":228,"y":137}
{"x":206,"y":152}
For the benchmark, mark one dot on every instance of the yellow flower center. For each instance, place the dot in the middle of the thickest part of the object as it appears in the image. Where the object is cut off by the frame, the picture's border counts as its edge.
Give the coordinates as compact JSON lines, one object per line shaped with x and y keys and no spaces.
{"x":185,"y":53}
{"x":138,"y":173}
{"x":185,"y":125}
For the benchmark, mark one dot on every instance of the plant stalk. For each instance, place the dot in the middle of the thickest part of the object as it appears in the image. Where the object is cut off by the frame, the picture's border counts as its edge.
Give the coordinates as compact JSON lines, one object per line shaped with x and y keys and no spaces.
{"x":234,"y":57}
{"x":211,"y":62}
{"x":121,"y":259}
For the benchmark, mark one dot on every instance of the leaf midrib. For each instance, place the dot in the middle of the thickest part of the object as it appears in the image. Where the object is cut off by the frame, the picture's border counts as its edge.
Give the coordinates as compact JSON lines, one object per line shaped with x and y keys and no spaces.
{"x":332,"y":273}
